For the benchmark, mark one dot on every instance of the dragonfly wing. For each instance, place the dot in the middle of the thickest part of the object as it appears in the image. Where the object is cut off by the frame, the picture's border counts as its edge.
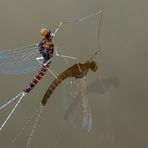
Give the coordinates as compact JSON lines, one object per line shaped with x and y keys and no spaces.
{"x":71,"y":101}
{"x":77,"y":109}
{"x":20,"y":60}
{"x":87,"y":118}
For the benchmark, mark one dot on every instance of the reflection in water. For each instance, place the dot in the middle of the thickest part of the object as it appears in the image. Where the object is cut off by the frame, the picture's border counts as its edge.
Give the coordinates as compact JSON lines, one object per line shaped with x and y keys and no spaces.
{"x":100,"y":86}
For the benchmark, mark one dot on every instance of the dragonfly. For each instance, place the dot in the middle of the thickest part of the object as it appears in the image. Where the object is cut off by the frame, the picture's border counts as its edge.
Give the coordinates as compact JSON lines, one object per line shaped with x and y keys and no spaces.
{"x":38,"y":57}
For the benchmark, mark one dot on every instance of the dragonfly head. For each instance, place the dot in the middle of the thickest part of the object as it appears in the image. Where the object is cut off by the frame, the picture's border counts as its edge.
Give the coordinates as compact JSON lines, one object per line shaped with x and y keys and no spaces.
{"x":93,"y":66}
{"x":44,"y":32}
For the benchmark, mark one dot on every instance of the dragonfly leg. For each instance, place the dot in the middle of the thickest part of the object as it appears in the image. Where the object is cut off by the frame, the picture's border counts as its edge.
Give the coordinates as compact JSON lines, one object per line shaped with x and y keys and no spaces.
{"x":65,"y":57}
{"x":53,"y":73}
{"x":78,"y":20}
{"x":62,"y":55}
{"x":39,"y":59}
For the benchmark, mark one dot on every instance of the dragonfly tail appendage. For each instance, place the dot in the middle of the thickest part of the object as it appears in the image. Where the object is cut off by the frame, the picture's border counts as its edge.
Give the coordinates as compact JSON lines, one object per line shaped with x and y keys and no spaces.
{"x":34,"y":115}
{"x":34,"y":126}
{"x":19,"y":97}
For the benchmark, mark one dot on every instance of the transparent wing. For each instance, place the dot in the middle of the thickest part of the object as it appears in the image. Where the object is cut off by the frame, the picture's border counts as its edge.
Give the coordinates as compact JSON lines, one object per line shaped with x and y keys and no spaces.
{"x":77,"y":108}
{"x":20,"y":60}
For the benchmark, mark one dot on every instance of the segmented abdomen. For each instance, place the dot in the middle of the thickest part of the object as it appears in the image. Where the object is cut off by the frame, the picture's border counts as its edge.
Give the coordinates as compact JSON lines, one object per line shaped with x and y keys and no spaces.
{"x":36,"y":79}
{"x":77,"y":71}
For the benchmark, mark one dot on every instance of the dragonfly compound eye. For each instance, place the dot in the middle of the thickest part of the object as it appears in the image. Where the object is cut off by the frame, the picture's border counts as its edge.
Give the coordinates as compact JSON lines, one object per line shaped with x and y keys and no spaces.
{"x":44,"y":31}
{"x":93,"y":66}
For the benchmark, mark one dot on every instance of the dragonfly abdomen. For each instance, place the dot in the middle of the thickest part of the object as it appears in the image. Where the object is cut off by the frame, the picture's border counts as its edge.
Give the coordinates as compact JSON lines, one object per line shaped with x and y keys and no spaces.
{"x":37,"y":78}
